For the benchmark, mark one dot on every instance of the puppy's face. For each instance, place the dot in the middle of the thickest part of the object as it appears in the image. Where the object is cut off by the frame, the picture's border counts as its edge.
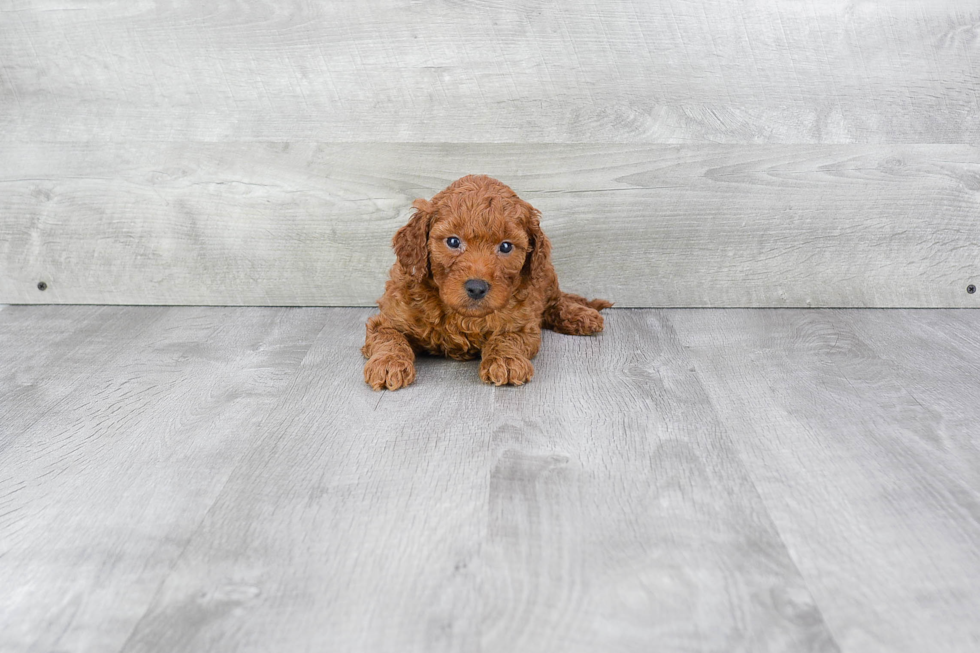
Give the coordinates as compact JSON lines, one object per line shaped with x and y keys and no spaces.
{"x":477,"y":250}
{"x":476,"y":240}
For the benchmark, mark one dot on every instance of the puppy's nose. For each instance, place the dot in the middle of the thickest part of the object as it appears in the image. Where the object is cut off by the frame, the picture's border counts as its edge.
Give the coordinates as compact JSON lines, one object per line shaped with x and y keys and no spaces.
{"x":476,"y":288}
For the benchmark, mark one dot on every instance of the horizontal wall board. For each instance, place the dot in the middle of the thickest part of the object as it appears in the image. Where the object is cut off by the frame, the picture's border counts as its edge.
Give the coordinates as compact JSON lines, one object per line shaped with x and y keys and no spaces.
{"x":642,"y":225}
{"x":628,"y":71}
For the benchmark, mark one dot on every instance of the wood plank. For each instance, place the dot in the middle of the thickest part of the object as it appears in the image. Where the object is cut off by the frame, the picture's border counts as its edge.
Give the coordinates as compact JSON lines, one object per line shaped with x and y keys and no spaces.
{"x":47,"y":355}
{"x":601,"y":507}
{"x":100,"y":492}
{"x":486,"y":71}
{"x":217,"y":483}
{"x":859,"y":430}
{"x":642,"y":225}
{"x":621,"y":516}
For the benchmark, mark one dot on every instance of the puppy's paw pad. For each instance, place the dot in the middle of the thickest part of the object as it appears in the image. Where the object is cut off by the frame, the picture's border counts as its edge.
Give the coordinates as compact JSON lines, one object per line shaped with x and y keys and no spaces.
{"x":389,"y":372}
{"x":506,"y":370}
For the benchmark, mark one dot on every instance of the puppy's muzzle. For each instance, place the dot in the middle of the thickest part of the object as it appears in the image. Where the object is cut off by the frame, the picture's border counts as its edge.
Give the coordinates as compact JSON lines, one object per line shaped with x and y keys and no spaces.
{"x":476,"y":289}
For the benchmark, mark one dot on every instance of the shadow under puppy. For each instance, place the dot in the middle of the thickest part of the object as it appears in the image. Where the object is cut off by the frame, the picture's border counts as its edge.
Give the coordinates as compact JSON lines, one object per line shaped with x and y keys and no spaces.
{"x":473,"y":278}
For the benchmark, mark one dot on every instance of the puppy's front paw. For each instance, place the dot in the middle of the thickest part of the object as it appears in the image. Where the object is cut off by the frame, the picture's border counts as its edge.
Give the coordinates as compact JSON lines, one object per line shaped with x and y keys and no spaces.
{"x":391,"y":372}
{"x":506,"y":370}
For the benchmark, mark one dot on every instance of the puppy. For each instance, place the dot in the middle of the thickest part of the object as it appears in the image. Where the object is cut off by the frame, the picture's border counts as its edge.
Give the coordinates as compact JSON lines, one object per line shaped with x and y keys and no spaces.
{"x":473,"y":278}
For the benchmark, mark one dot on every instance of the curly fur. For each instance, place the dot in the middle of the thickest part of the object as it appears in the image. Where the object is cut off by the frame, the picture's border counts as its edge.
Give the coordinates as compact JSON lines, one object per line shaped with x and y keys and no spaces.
{"x":425,"y":307}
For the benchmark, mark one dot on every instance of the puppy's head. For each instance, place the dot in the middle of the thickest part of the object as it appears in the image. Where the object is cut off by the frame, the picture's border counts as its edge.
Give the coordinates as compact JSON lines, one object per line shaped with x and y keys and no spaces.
{"x":478,"y":242}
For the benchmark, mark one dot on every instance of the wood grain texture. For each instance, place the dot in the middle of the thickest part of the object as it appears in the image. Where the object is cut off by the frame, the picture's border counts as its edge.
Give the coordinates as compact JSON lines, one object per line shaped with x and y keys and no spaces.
{"x":68,"y":341}
{"x":642,"y":225}
{"x":601,"y":507}
{"x":621,"y":516}
{"x":859,"y":429}
{"x":106,"y":478}
{"x":488,"y":71}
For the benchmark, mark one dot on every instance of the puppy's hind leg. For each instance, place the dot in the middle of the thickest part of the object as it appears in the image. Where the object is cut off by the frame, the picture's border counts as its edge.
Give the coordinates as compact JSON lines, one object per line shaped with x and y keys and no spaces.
{"x":391,"y":360}
{"x":575,"y":315}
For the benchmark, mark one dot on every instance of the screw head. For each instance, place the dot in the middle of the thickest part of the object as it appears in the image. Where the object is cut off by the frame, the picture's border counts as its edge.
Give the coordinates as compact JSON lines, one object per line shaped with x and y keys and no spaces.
{"x":42,"y":286}
{"x":971,"y":289}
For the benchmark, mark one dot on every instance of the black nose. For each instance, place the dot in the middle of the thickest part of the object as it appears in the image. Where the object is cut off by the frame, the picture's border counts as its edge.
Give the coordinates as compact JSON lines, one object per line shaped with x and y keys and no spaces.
{"x":476,"y":288}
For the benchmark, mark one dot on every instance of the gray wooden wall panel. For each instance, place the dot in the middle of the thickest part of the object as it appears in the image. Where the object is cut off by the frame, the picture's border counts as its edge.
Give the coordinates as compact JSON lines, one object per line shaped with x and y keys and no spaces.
{"x":723,"y":153}
{"x":660,"y":225}
{"x":490,"y":71}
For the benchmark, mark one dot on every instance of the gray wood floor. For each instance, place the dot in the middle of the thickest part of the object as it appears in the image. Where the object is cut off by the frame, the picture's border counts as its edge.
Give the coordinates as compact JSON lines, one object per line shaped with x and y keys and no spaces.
{"x":220,"y":479}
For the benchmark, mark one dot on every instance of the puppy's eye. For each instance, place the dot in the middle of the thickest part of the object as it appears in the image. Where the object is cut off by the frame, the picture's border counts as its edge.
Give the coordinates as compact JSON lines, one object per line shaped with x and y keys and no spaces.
{"x":506,"y":247}
{"x":453,"y":242}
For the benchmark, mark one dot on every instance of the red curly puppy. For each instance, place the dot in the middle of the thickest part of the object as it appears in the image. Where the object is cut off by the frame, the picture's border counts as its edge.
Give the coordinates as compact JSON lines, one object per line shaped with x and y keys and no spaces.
{"x":473,"y":278}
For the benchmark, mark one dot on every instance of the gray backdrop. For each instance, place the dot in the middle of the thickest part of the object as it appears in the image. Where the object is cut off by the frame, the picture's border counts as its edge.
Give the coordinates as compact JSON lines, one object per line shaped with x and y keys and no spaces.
{"x":683,"y":153}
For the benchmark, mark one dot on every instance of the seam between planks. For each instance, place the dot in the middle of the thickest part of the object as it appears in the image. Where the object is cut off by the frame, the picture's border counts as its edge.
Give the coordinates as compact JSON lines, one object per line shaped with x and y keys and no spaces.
{"x":730,"y":441}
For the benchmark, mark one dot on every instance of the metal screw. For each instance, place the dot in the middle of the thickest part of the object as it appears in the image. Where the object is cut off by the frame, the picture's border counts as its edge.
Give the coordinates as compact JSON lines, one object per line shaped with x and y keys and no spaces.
{"x":971,"y":289}
{"x":42,"y":286}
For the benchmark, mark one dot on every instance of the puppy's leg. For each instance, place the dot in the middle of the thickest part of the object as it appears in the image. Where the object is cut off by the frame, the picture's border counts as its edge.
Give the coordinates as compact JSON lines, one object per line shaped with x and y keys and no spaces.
{"x":391,"y":361}
{"x":597,"y":304}
{"x":507,"y":358}
{"x":575,"y":315}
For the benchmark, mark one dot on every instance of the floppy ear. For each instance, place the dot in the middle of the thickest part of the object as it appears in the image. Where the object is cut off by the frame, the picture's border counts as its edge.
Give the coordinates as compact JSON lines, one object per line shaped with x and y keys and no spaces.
{"x":411,"y":243}
{"x":539,"y":257}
